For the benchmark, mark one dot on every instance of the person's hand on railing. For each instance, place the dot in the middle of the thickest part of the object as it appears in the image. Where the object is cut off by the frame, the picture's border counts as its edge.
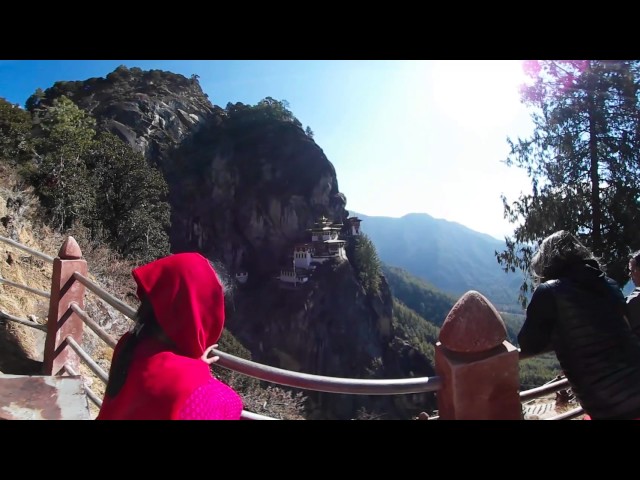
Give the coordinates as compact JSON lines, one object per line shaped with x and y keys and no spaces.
{"x":205,"y":356}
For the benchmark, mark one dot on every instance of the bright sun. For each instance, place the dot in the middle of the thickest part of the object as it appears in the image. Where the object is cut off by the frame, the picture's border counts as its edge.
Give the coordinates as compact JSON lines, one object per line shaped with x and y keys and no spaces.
{"x":478,"y":92}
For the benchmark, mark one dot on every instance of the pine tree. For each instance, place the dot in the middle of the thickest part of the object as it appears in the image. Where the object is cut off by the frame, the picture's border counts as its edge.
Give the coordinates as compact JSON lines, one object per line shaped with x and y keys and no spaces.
{"x":131,"y":200}
{"x":15,"y":132}
{"x":66,"y":189}
{"x":367,"y":264}
{"x":583,"y":159}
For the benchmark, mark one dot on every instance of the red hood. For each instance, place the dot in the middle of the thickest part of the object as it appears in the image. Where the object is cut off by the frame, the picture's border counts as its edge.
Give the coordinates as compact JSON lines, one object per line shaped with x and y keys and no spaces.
{"x":187,"y":299}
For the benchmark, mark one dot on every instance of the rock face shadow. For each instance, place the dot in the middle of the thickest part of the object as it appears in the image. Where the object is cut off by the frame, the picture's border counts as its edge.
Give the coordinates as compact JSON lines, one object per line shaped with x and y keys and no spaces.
{"x":14,"y":360}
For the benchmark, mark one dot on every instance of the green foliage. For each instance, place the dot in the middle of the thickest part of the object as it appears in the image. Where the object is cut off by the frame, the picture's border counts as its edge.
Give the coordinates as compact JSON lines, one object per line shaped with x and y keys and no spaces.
{"x":308,"y":132}
{"x":420,"y":296}
{"x":277,"y":109}
{"x":121,"y":73}
{"x":432,"y":305}
{"x":62,"y":180}
{"x":34,"y":101}
{"x":417,"y":331}
{"x":583,"y":159}
{"x":15,"y":133}
{"x":367,"y":264}
{"x":264,"y":111}
{"x":101,"y":183}
{"x":513,"y":322}
{"x":131,"y":207}
{"x":64,"y":121}
{"x":537,"y":371}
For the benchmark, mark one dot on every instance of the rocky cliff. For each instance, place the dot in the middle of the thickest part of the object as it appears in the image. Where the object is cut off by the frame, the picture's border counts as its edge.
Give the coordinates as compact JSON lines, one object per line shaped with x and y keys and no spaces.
{"x":246,"y":183}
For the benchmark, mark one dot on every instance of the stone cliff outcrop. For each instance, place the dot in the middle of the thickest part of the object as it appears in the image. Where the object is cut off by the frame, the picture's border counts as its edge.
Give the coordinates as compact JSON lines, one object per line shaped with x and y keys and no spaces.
{"x":154,"y":111}
{"x":246,"y":183}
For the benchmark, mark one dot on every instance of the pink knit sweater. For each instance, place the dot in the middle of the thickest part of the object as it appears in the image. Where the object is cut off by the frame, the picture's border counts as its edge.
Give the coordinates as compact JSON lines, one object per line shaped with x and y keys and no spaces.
{"x":212,"y":401}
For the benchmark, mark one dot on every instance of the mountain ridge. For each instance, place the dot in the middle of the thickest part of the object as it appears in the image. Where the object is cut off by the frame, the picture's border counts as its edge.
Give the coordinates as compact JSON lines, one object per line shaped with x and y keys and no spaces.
{"x":451,"y":256}
{"x":420,"y":214}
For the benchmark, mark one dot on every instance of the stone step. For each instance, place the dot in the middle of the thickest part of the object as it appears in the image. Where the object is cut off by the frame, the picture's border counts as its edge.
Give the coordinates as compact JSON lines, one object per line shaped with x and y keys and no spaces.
{"x":40,"y":397}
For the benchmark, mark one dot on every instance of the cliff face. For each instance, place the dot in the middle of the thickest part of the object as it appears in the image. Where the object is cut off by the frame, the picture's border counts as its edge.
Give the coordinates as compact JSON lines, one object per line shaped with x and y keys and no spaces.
{"x":245,"y":185}
{"x":154,"y":111}
{"x":246,"y":193}
{"x":330,"y":326}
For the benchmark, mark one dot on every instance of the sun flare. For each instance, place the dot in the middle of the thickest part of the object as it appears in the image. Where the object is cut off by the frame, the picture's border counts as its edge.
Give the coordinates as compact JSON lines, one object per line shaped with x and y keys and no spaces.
{"x":474,"y":92}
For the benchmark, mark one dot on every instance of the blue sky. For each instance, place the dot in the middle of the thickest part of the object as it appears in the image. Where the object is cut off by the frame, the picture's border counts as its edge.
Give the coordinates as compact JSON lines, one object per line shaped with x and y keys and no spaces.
{"x":404,"y":136}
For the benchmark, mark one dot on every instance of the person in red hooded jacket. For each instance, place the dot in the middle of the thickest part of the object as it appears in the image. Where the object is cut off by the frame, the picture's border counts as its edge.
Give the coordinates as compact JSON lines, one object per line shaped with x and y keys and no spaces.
{"x":161,"y":369}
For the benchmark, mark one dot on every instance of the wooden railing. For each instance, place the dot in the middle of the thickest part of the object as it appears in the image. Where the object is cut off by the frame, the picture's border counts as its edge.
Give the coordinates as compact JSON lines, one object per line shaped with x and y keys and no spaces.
{"x":477,"y":368}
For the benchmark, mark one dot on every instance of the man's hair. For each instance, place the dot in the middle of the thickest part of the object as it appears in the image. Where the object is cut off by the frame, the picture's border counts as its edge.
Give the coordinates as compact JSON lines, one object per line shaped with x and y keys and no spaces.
{"x":223,"y":276}
{"x":556,"y":253}
{"x":636,"y":256}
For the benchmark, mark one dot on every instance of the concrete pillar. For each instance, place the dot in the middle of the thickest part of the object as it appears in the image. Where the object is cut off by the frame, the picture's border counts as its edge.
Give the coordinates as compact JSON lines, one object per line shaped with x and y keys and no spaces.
{"x":62,"y":321}
{"x":478,"y":366}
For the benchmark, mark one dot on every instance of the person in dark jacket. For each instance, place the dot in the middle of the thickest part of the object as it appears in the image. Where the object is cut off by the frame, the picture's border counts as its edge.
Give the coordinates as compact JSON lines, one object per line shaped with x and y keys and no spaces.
{"x":580,"y":313}
{"x":633,"y":299}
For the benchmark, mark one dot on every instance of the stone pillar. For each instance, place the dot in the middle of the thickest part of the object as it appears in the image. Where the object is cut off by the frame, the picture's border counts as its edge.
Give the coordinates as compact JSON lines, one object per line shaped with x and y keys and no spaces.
{"x":62,"y":321}
{"x":478,"y":367}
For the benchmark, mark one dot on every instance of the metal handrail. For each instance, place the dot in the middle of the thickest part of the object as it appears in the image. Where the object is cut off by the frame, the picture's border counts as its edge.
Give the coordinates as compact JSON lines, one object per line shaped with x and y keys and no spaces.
{"x":42,"y":293}
{"x":107,"y":297}
{"x":27,"y":249}
{"x":354,"y":386}
{"x":245,"y":415}
{"x":568,"y":415}
{"x":95,"y":368}
{"x":21,"y":321}
{"x":544,"y":389}
{"x":92,"y":396}
{"x":108,"y":339}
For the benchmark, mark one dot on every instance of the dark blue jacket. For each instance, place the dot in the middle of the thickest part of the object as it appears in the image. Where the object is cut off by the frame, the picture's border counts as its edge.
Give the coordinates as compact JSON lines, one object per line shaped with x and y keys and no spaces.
{"x":581,"y":316}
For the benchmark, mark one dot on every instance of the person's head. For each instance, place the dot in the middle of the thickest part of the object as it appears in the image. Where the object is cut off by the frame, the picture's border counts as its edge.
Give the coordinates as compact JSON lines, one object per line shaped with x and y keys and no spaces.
{"x":182,"y":304}
{"x":634,"y":268}
{"x":187,"y":299}
{"x":556,"y":253}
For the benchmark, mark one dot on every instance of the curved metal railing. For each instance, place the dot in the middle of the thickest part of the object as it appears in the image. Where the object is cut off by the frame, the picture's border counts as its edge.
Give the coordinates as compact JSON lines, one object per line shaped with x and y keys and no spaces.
{"x":30,"y":250}
{"x":553,"y":386}
{"x":352,"y":386}
{"x":28,"y":323}
{"x":106,"y":296}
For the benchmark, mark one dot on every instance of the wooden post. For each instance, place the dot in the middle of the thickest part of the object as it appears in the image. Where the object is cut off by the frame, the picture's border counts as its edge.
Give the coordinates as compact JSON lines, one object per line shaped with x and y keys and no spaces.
{"x":62,"y":321}
{"x":478,"y":367}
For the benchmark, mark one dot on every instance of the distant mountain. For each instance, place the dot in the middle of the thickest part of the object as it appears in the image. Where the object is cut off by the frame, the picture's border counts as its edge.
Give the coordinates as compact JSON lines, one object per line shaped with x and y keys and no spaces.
{"x":450,"y":256}
{"x":433,"y":305}
{"x":421,"y":297}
